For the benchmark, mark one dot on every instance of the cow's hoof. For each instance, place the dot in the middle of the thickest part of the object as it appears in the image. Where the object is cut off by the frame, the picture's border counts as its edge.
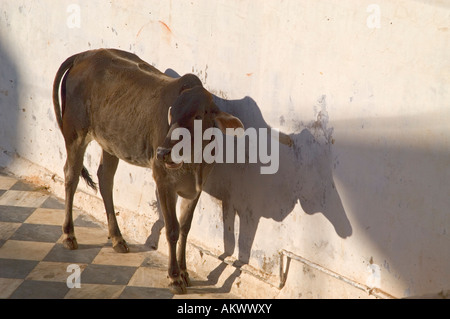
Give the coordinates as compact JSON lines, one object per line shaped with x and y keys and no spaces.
{"x":177,"y":287}
{"x":70,"y":243}
{"x":121,"y":247}
{"x":185,"y":278}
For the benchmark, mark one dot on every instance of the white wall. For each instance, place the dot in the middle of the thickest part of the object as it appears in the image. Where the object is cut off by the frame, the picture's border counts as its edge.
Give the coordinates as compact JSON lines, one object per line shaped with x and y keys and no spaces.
{"x":361,"y":87}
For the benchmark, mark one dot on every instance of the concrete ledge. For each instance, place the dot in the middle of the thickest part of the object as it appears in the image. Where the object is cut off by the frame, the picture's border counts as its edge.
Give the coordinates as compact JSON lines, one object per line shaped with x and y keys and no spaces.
{"x":226,"y":273}
{"x":241,"y":281}
{"x":298,"y":277}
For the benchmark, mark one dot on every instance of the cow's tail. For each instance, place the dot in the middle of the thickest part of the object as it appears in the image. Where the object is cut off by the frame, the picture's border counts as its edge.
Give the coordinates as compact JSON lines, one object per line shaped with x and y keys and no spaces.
{"x":62,"y":72}
{"x":87,"y":178}
{"x":65,"y":67}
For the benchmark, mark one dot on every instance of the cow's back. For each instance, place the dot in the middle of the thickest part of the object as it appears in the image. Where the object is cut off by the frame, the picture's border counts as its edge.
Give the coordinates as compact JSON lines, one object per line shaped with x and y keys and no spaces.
{"x":125,"y":100}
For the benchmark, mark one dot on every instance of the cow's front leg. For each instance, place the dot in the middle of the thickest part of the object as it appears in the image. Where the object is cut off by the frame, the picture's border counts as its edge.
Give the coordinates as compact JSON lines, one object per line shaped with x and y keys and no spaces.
{"x":168,"y":201}
{"x":187,"y":212}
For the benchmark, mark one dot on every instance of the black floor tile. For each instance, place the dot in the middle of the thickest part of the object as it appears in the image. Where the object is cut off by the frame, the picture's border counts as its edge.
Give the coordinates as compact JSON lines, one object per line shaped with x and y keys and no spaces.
{"x":84,"y":254}
{"x":33,"y":289}
{"x":145,"y":293}
{"x":53,"y":203}
{"x":84,"y":221}
{"x":36,"y":232}
{"x":22,"y":186}
{"x":108,"y":275}
{"x":14,"y":268}
{"x":15,"y":214}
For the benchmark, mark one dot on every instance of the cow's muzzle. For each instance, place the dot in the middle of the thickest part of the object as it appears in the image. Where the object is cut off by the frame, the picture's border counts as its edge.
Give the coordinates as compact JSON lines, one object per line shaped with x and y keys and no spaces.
{"x":163,"y":155}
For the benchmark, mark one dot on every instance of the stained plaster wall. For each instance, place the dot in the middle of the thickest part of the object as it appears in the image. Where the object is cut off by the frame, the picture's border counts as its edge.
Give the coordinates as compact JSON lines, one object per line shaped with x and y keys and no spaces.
{"x":360,"y":86}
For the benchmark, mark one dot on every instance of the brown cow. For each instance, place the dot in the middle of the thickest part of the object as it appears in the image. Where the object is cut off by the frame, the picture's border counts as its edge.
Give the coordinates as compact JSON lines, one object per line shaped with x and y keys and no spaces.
{"x":123,"y":103}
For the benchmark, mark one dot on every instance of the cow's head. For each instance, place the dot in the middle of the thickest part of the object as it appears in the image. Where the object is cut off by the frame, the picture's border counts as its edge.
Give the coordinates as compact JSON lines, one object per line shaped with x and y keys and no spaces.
{"x":192,"y":106}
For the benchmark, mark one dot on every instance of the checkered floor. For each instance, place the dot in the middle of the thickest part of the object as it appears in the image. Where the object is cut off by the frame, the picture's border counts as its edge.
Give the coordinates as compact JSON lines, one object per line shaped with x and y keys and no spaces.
{"x":34,"y":263}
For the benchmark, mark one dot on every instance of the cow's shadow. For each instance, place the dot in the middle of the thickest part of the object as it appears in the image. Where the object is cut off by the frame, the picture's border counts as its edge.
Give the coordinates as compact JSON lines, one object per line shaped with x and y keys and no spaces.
{"x":304,"y":176}
{"x":10,"y":106}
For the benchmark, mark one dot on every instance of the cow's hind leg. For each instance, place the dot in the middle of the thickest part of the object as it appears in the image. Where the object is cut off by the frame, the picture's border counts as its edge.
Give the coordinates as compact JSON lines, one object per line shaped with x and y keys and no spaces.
{"x":105,"y":173}
{"x":72,"y":169}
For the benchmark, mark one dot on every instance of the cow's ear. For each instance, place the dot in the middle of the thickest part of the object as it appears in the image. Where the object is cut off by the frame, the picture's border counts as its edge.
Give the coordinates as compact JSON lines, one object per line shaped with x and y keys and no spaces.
{"x":224,"y":120}
{"x":183,"y":88}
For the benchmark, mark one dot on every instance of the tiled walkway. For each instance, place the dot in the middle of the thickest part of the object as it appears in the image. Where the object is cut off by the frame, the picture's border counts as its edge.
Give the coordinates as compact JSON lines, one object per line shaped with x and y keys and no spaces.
{"x":34,"y":263}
